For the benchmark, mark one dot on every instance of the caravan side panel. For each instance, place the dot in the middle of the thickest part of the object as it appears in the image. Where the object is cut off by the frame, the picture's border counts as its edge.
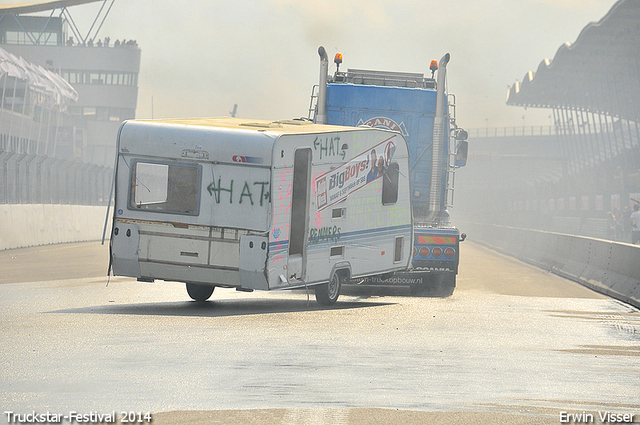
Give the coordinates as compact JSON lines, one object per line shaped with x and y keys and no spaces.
{"x":356,"y":223}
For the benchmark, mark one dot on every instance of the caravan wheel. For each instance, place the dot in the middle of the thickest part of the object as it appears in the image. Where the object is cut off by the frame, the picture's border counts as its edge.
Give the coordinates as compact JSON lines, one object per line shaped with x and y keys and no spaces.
{"x":199,"y":292}
{"x":328,"y":293}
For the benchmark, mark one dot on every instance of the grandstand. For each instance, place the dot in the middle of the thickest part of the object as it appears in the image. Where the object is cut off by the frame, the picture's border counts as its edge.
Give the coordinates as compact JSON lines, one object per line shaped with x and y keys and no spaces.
{"x":64,"y":94}
{"x":588,"y":163}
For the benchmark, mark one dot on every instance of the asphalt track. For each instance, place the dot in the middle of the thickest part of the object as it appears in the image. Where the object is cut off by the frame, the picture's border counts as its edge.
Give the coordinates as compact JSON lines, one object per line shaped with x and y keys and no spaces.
{"x":513,"y":345}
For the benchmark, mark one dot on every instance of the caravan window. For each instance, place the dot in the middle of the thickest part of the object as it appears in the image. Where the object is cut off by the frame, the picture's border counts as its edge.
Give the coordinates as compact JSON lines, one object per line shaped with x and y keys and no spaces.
{"x":390,"y":184}
{"x":170,"y":188}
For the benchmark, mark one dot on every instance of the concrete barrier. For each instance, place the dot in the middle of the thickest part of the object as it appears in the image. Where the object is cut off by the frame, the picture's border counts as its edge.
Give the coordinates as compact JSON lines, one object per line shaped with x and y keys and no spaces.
{"x":611,"y":268}
{"x":23,"y":225}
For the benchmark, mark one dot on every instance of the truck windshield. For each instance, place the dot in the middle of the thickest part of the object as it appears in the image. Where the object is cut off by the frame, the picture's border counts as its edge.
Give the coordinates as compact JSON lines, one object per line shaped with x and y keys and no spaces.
{"x":170,"y":188}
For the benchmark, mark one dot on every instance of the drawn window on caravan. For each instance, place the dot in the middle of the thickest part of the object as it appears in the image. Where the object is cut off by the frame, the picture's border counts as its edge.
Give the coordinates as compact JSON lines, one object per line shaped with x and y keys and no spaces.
{"x":168,"y":188}
{"x":390,"y":184}
{"x":397,"y":253}
{"x":299,"y":201}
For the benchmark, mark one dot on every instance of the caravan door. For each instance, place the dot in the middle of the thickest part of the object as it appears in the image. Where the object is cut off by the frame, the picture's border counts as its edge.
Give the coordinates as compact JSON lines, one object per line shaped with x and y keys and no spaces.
{"x":299,"y":214}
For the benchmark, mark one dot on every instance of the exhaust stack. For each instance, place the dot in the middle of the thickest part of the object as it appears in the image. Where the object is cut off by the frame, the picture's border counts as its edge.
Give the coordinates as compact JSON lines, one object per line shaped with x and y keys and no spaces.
{"x":321,"y":114}
{"x":438,"y":141}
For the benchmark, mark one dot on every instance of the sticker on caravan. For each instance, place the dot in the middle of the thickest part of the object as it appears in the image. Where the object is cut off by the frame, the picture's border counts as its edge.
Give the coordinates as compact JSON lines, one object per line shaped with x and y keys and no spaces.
{"x":195,"y":154}
{"x":337,"y":184}
{"x":247,"y":159}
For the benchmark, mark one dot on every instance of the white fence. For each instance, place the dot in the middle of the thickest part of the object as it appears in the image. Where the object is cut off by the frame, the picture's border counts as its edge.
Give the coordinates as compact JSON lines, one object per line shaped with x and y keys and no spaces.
{"x":37,"y":179}
{"x":23,"y":225}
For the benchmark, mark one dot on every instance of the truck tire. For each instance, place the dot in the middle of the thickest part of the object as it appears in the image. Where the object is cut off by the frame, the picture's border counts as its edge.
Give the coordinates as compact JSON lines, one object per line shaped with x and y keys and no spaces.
{"x":328,"y":293}
{"x":198,"y":292}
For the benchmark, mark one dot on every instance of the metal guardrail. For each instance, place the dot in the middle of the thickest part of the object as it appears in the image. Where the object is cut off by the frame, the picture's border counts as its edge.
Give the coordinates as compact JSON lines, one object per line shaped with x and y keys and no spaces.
{"x":622,"y":129}
{"x":513,"y":131}
{"x":607,"y":267}
{"x":37,"y":179}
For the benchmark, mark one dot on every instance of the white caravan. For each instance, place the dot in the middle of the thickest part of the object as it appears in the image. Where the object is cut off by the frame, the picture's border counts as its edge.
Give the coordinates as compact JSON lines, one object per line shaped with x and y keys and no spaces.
{"x":259,"y":205}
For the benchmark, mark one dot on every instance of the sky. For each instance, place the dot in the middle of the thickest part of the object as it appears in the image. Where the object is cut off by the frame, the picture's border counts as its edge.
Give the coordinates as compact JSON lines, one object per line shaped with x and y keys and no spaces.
{"x":200,"y":57}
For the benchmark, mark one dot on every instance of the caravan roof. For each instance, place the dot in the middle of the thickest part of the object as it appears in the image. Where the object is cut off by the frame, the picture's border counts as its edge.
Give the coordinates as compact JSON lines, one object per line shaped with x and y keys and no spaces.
{"x":197,"y":137}
{"x":279,"y":127}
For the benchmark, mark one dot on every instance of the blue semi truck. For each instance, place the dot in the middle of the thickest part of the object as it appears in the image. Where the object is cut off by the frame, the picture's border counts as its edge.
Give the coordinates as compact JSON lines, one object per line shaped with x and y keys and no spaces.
{"x":419,"y":108}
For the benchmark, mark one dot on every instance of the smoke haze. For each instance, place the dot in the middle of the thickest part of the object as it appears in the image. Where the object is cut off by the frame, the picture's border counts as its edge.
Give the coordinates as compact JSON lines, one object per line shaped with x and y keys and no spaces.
{"x":199,"y":58}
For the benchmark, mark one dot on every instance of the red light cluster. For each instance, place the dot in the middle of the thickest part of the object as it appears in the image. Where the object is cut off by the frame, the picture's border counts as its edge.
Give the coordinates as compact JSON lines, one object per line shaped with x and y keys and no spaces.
{"x":436,"y":251}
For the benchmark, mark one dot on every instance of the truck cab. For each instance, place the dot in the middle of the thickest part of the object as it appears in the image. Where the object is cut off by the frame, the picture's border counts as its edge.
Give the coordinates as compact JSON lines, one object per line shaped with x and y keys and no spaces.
{"x":418,"y":107}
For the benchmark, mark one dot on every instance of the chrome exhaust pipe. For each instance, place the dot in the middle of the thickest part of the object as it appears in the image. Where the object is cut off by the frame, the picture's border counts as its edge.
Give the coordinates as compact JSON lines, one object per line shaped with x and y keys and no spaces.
{"x":438,"y":141}
{"x":321,"y":114}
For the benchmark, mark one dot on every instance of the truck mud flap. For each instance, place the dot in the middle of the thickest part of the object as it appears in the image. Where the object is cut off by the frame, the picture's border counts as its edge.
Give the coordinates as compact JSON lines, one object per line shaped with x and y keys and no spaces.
{"x":437,"y":284}
{"x":394,"y":279}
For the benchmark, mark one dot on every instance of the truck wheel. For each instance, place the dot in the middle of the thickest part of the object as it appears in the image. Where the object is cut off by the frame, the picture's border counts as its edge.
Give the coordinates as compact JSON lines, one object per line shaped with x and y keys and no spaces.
{"x":199,"y":292}
{"x":328,"y":293}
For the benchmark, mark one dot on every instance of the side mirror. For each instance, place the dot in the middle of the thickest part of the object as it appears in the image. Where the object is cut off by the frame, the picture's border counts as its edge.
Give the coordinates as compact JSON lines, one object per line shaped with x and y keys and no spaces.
{"x":463,"y":236}
{"x":462,"y":150}
{"x":461,"y":134}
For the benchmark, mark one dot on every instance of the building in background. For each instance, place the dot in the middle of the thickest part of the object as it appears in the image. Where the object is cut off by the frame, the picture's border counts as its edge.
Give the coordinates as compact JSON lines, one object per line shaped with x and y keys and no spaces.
{"x":64,"y":94}
{"x":102,"y":71}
